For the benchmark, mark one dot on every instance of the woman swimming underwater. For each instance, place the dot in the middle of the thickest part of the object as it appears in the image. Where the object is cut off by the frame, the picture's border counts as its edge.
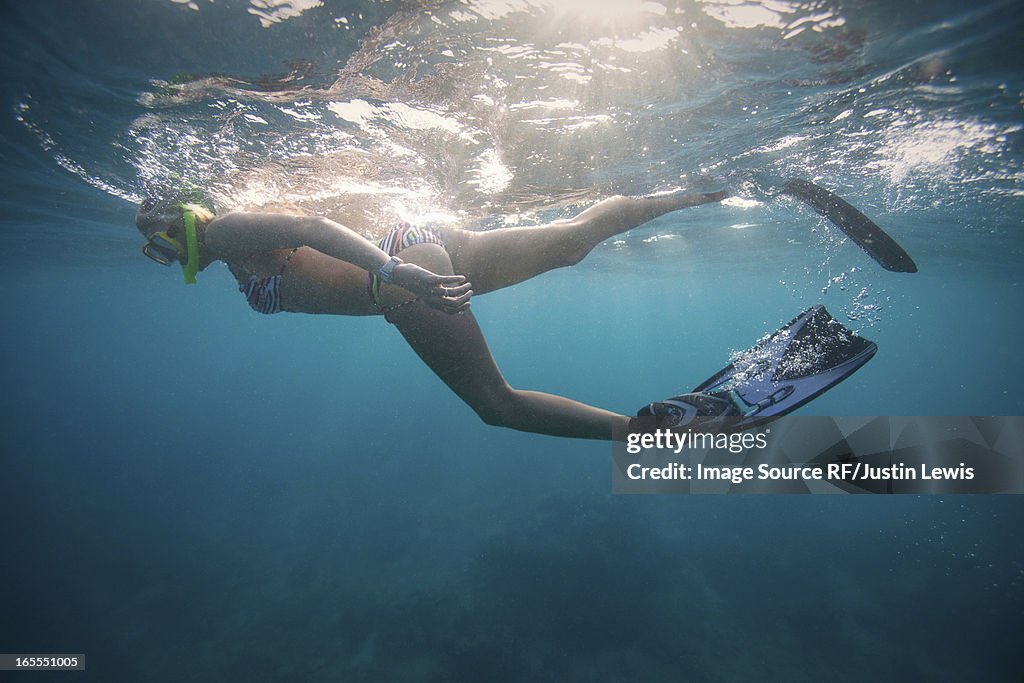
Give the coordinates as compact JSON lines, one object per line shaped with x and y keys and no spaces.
{"x":420,"y":279}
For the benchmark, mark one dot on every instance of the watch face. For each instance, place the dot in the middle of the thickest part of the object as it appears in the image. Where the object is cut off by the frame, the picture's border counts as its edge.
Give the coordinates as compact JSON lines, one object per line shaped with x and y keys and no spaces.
{"x":388,"y":268}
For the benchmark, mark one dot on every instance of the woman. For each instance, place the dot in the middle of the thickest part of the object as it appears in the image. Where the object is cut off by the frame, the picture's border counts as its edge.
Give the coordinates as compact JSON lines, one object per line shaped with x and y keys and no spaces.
{"x":421,"y":280}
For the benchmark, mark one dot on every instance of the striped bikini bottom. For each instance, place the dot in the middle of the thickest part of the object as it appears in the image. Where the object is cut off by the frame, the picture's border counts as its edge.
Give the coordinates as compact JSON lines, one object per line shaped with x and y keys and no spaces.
{"x":401,"y":237}
{"x":264,"y":293}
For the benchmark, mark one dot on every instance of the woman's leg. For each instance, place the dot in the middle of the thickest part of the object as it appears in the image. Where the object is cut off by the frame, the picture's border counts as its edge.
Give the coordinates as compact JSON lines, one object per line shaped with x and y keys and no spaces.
{"x":498,"y":258}
{"x":455,"y":349}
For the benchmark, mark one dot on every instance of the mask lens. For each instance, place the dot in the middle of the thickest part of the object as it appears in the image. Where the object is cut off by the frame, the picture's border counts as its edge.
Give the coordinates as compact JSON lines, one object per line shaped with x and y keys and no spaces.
{"x":161,"y":249}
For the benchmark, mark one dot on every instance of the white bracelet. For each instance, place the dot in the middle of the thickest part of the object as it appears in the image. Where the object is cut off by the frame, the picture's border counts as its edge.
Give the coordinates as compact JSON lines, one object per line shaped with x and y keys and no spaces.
{"x":386,"y":272}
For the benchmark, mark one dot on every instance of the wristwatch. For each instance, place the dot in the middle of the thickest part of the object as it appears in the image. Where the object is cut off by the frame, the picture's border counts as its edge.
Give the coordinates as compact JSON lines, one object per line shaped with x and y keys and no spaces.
{"x":386,"y":272}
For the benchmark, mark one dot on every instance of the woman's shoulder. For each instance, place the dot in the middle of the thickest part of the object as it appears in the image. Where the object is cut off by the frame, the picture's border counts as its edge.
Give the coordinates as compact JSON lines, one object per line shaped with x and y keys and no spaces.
{"x":267,"y":210}
{"x":244,"y":235}
{"x":279,"y":207}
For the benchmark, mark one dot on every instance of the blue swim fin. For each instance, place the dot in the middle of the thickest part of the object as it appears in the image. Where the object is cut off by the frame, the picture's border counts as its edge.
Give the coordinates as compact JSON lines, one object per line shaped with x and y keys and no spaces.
{"x":808,"y":356}
{"x":864,"y":232}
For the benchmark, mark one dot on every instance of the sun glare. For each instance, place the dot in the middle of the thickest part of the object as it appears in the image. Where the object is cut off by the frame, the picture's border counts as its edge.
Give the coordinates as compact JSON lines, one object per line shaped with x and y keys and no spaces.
{"x":615,"y":10}
{"x":608,"y":9}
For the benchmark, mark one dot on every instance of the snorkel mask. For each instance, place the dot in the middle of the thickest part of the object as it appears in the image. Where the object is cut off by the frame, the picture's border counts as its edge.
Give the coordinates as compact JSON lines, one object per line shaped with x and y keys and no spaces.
{"x":162,"y":248}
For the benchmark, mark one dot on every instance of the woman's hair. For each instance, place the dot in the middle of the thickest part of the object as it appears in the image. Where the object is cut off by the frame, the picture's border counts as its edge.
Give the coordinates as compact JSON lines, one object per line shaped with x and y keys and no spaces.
{"x":203,"y":214}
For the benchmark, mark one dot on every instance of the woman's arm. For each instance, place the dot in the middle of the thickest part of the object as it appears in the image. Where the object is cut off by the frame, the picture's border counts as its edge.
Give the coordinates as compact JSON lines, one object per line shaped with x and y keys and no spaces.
{"x":241,"y":232}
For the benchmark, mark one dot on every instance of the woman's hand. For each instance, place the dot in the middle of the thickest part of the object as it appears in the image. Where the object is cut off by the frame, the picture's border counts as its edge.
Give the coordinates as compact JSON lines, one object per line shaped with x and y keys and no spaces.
{"x":448,"y":293}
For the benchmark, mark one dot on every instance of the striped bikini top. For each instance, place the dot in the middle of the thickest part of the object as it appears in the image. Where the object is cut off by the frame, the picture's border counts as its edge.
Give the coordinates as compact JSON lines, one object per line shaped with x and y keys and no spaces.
{"x":264,"y":293}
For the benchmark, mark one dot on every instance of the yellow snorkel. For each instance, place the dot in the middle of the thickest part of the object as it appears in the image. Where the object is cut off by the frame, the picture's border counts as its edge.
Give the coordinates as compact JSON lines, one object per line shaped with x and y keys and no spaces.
{"x":191,"y":266}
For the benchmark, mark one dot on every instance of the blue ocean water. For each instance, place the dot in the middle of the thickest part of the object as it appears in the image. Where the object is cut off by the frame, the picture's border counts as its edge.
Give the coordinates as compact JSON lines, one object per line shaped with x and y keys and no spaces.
{"x":192,"y":491}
